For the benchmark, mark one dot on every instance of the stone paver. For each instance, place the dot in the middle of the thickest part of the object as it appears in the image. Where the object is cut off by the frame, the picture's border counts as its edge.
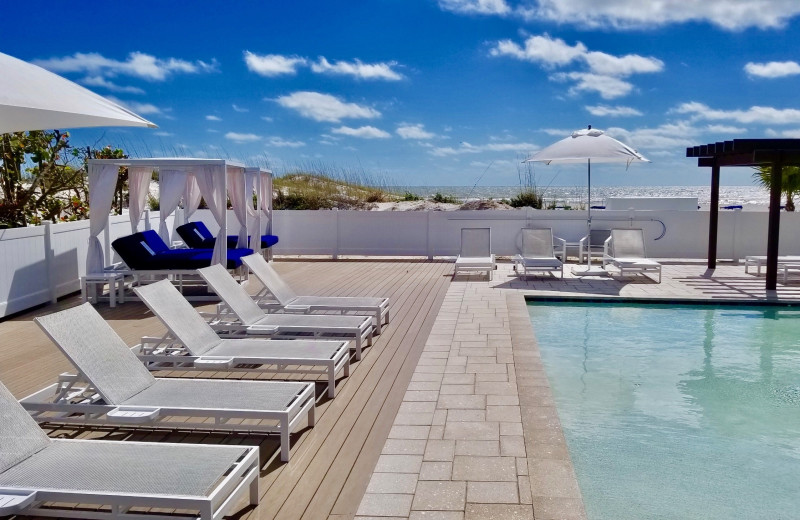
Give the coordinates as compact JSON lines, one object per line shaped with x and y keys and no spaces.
{"x":477,"y":435}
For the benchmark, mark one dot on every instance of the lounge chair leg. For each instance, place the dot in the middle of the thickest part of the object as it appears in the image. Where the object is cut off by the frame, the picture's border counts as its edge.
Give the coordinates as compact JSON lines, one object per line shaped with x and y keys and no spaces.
{"x":358,"y":349}
{"x":312,"y":415}
{"x":254,"y":494}
{"x":332,"y":381}
{"x":285,"y":439}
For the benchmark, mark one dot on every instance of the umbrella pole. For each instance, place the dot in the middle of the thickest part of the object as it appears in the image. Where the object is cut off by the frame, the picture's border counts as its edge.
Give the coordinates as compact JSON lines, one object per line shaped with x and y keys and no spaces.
{"x":589,"y":219}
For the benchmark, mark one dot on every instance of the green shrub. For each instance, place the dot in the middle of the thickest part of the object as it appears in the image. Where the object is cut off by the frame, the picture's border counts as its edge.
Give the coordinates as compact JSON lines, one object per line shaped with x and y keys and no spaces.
{"x":410,"y":197}
{"x":527,"y":198}
{"x":444,"y":199}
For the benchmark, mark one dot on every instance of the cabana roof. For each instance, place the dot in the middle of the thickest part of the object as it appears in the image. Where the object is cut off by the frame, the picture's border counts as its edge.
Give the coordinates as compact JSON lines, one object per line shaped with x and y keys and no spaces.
{"x":775,"y":153}
{"x":171,"y":162}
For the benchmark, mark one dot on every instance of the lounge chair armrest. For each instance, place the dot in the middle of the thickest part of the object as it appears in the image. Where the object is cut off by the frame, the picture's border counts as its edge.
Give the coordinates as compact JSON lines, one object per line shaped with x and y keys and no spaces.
{"x":560,"y":240}
{"x":13,"y":501}
{"x":262,"y":329}
{"x":133,"y":414}
{"x":213,"y":362}
{"x":303,"y":309}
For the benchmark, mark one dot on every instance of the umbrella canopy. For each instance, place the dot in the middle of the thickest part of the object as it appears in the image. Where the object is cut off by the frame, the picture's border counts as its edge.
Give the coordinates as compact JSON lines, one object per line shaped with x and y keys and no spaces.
{"x":32,"y":98}
{"x":587,"y":146}
{"x":583,"y":145}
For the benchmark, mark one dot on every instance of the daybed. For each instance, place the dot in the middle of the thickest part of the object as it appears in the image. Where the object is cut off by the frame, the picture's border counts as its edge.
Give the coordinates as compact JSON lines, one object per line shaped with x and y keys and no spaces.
{"x":197,"y":236}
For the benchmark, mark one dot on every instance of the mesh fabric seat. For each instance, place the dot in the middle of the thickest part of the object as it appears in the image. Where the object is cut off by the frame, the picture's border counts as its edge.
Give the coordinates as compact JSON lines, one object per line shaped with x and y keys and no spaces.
{"x":115,"y":474}
{"x":200,"y":343}
{"x":625,"y":250}
{"x":476,"y":252}
{"x":538,"y":254}
{"x":251,"y":319}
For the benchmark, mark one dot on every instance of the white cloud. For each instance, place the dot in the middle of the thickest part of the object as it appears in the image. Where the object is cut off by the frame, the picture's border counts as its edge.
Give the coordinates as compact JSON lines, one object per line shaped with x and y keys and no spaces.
{"x":99,"y":81}
{"x":283,"y":143}
{"x":138,"y":64}
{"x":558,"y":132}
{"x":499,"y":7}
{"x":467,"y":148}
{"x":609,"y":111}
{"x":242,"y":138}
{"x":786,"y":134}
{"x":773,"y":69}
{"x":410,"y":131}
{"x":603,"y":71}
{"x":540,"y":49}
{"x":636,"y":14}
{"x":139,"y":108}
{"x":608,"y":87}
{"x":358,"y":69}
{"x":164,"y":134}
{"x":726,"y":129}
{"x":272,"y":65}
{"x":237,"y":108}
{"x":754,"y":114}
{"x":213,"y":118}
{"x":324,"y":107}
{"x":669,"y":136}
{"x":267,"y":119}
{"x":365,"y":132}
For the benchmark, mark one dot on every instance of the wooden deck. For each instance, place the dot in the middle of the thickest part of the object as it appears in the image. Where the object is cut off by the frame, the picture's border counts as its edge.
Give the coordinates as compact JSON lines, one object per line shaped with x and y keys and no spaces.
{"x":331,"y":463}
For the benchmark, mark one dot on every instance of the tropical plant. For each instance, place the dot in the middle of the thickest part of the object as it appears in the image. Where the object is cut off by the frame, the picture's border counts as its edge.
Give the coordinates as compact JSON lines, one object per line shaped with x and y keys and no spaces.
{"x":790,"y":181}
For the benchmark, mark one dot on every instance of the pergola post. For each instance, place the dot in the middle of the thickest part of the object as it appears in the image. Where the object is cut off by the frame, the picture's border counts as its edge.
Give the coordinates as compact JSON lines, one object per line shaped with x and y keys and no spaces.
{"x":773,"y":229}
{"x":713,"y":217}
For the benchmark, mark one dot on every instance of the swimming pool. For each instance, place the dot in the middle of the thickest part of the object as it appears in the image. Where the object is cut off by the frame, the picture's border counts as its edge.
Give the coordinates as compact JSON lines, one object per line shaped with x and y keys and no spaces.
{"x":677,"y":411}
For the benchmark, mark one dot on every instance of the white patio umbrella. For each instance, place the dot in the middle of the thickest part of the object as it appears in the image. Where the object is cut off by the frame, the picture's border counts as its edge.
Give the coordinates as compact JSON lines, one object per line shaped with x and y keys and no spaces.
{"x":588,"y":146}
{"x":32,"y":98}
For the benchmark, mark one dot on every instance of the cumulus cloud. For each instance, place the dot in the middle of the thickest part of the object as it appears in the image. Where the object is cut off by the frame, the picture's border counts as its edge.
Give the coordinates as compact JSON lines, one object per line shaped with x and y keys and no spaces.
{"x":609,"y":111}
{"x":273,"y":65}
{"x":364,"y":132}
{"x":754,"y":114}
{"x":139,"y":108}
{"x":772,"y":69}
{"x":242,"y":138}
{"x":410,"y":131}
{"x":725,"y":129}
{"x":786,"y":134}
{"x":99,"y":81}
{"x":358,"y":69}
{"x":497,"y":7}
{"x":636,"y":14}
{"x":603,"y":71}
{"x":213,"y":118}
{"x":280,"y":142}
{"x":325,"y":107}
{"x":138,"y":65}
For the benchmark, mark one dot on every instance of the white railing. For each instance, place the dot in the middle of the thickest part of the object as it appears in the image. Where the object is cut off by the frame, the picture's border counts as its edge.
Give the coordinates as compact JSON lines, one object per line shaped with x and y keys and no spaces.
{"x":39,"y":264}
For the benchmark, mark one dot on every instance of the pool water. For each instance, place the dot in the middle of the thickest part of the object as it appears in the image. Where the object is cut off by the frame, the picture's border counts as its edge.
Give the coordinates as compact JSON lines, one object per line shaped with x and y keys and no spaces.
{"x":677,"y":411}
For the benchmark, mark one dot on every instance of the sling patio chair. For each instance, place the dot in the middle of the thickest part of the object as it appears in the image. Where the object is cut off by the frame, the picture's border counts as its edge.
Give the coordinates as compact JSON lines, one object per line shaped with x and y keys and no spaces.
{"x":476,"y":252}
{"x":538,"y":253}
{"x":624,"y":249}
{"x":68,"y":478}
{"x":113,"y":387}
{"x":241,"y":316}
{"x":761,"y":261}
{"x":191,"y":344}
{"x":277,"y":295}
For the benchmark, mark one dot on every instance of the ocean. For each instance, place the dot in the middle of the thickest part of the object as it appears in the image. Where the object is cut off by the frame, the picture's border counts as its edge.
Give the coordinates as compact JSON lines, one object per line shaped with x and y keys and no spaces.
{"x":750,"y":197}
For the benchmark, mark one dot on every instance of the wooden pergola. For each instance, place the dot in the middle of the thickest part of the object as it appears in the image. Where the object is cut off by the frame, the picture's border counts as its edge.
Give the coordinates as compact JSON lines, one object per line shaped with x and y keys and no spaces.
{"x":776,"y":153}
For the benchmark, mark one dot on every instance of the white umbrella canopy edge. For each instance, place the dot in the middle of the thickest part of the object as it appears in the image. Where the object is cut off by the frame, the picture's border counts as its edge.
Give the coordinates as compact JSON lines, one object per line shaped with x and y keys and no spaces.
{"x":587,"y":146}
{"x":32,"y":98}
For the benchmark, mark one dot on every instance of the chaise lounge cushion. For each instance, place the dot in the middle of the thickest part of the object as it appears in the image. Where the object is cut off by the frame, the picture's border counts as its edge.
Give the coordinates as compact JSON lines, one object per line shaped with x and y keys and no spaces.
{"x":146,"y":251}
{"x":197,"y":236}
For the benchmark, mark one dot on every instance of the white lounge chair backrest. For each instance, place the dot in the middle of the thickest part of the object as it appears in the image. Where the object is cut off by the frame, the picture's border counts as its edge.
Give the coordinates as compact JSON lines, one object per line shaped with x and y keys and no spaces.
{"x":233,"y":294}
{"x":20,"y":436}
{"x":181,"y":319}
{"x":628,"y":243}
{"x":476,"y":242}
{"x":270,"y":278}
{"x":97,"y":351}
{"x":537,"y":243}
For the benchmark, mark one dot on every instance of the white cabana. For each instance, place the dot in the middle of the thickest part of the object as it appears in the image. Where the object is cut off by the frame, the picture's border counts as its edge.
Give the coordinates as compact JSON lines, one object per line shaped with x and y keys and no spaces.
{"x":259,"y":180}
{"x":179,"y":178}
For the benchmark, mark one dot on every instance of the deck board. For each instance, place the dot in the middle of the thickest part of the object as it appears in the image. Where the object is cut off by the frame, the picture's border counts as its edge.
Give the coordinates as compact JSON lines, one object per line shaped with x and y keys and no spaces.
{"x":331,"y":463}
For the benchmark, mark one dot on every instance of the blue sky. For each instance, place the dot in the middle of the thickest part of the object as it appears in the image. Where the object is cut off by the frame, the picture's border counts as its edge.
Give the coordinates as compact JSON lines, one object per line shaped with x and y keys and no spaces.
{"x":428,"y":92}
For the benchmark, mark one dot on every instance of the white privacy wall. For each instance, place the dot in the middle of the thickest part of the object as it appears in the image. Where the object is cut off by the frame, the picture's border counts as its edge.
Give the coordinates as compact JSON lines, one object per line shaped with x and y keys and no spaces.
{"x":38,"y":264}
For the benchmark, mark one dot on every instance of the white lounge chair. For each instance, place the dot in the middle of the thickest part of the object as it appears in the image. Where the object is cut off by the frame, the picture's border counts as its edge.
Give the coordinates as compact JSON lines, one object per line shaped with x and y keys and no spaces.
{"x":538,"y":253}
{"x":248,"y":318}
{"x":594,"y":242}
{"x":191,"y":344}
{"x":761,"y":261}
{"x":113,"y":387}
{"x":476,"y":252}
{"x":284,"y":298}
{"x":624,"y":249}
{"x":40,"y":476}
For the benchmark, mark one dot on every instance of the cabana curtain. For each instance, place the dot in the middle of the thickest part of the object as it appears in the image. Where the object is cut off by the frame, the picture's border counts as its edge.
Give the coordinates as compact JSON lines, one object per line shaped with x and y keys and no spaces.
{"x":172,"y":184}
{"x":139,"y":186}
{"x":238,"y":195}
{"x":211,"y":180}
{"x":191,"y":197}
{"x":253,"y":219}
{"x":102,"y":181}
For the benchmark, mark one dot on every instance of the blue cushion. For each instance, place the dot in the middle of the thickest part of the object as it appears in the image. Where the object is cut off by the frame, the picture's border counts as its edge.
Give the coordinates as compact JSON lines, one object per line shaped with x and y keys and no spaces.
{"x":146,"y":250}
{"x":268,"y":240}
{"x":196,"y":235}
